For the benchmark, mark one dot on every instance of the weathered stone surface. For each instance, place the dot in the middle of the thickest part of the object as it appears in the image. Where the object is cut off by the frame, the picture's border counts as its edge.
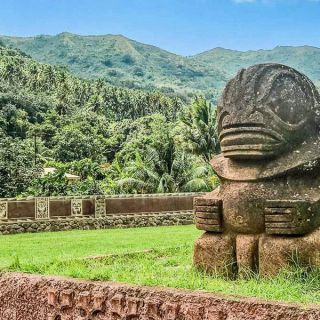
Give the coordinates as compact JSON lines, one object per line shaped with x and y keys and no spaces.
{"x":247,"y":254}
{"x":266,"y":110}
{"x":208,"y":217}
{"x":215,"y":252}
{"x":282,"y":252}
{"x":107,"y":222}
{"x":268,"y":124}
{"x":25,"y":297}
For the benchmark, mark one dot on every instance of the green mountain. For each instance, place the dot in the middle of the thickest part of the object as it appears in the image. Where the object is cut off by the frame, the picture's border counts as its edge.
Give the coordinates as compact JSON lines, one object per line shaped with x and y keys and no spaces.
{"x":21,"y":76}
{"x":306,"y":59}
{"x":121,"y":62}
{"x":128,"y":63}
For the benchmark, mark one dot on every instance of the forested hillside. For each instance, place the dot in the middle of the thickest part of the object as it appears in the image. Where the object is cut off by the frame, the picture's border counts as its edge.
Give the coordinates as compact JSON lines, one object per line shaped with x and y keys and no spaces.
{"x":128,"y":63}
{"x":116,"y":139}
{"x":123,"y":62}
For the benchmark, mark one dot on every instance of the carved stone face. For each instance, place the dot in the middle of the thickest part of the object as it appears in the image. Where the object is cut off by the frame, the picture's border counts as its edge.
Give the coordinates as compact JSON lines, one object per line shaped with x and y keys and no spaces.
{"x":265,"y":110}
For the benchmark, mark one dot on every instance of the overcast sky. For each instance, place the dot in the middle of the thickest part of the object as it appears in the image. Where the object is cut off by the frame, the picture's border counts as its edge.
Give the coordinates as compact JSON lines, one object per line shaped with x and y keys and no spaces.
{"x":181,"y":26}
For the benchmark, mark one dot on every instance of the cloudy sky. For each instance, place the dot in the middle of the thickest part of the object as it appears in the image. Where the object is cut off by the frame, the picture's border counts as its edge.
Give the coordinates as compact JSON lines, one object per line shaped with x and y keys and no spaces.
{"x":181,"y":26}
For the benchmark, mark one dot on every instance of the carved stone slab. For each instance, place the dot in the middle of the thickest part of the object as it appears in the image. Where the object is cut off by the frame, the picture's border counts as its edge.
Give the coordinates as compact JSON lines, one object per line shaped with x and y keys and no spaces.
{"x":42,"y":208}
{"x":76,"y":207}
{"x":100,"y":207}
{"x":67,"y":304}
{"x":4,"y":210}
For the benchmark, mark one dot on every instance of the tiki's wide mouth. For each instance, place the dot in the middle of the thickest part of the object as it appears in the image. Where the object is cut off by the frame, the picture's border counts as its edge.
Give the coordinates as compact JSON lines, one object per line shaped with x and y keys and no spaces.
{"x":249,"y":142}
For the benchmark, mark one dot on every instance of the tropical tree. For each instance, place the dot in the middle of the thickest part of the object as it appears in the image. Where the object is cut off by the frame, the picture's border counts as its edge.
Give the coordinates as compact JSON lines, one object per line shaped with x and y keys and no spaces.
{"x":17,"y":168}
{"x":151,"y":161}
{"x":152,"y":174}
{"x":197,"y":130}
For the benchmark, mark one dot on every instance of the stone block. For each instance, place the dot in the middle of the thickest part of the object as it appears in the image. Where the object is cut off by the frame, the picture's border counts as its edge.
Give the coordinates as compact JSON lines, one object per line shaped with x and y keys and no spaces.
{"x":215,"y":253}
{"x":276,"y":253}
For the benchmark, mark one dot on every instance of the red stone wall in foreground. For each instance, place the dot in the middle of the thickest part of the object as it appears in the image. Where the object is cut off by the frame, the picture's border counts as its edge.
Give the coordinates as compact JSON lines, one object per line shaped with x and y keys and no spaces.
{"x":25,"y":297}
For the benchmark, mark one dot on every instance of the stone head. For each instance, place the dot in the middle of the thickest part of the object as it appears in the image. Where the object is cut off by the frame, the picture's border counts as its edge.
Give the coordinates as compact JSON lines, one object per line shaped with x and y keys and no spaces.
{"x":266,"y":110}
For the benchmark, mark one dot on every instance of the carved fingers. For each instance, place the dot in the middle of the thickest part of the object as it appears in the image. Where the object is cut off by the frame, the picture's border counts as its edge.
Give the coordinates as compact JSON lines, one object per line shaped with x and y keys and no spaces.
{"x":208,"y":214}
{"x":296,"y":217}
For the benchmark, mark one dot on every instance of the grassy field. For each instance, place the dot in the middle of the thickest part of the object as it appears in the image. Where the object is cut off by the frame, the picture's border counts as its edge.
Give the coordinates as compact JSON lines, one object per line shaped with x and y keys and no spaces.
{"x":168,"y":264}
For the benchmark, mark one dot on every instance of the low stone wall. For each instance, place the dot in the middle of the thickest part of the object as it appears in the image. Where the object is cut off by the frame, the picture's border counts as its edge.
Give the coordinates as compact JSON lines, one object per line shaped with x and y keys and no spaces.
{"x":107,"y":222}
{"x":25,"y":297}
{"x":88,"y":212}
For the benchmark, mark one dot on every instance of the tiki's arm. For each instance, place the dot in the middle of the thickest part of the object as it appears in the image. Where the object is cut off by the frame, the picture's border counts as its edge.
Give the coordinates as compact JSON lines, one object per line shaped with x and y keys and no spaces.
{"x":208,"y":214}
{"x":295,"y":217}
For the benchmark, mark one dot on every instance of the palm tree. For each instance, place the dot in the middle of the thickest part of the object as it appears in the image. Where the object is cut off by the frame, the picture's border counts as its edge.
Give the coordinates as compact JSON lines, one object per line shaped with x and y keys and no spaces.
{"x":163,"y":172}
{"x":198,"y":129}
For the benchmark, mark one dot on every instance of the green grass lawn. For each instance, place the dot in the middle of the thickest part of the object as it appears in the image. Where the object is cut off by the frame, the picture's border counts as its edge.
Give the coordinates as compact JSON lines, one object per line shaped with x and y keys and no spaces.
{"x":169,"y":264}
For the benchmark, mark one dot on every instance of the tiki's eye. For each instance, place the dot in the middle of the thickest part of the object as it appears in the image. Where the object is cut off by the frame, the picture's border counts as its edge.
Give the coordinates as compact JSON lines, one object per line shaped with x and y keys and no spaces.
{"x":288,"y":112}
{"x":288,"y":100}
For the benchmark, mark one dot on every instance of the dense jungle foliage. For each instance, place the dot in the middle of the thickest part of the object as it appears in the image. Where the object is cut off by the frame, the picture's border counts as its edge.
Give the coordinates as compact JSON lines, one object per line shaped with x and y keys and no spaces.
{"x":116,"y":140}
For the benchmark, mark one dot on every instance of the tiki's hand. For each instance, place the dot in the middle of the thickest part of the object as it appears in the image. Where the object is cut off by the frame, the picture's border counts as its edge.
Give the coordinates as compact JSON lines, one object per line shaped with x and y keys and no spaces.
{"x":296,"y":217}
{"x":208,"y":214}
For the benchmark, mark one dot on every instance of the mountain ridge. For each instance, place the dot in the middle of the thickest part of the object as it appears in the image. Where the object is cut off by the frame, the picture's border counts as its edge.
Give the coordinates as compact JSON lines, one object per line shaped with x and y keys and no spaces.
{"x":152,"y":45}
{"x":124,"y":62}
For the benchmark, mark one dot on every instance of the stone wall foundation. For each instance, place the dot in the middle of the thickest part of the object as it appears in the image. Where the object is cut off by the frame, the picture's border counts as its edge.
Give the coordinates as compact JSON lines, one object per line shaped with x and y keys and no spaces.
{"x":106,"y":222}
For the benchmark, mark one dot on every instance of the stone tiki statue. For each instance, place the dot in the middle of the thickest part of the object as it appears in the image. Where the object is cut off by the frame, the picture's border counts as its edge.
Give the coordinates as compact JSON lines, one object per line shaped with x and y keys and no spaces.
{"x":266,"y":212}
